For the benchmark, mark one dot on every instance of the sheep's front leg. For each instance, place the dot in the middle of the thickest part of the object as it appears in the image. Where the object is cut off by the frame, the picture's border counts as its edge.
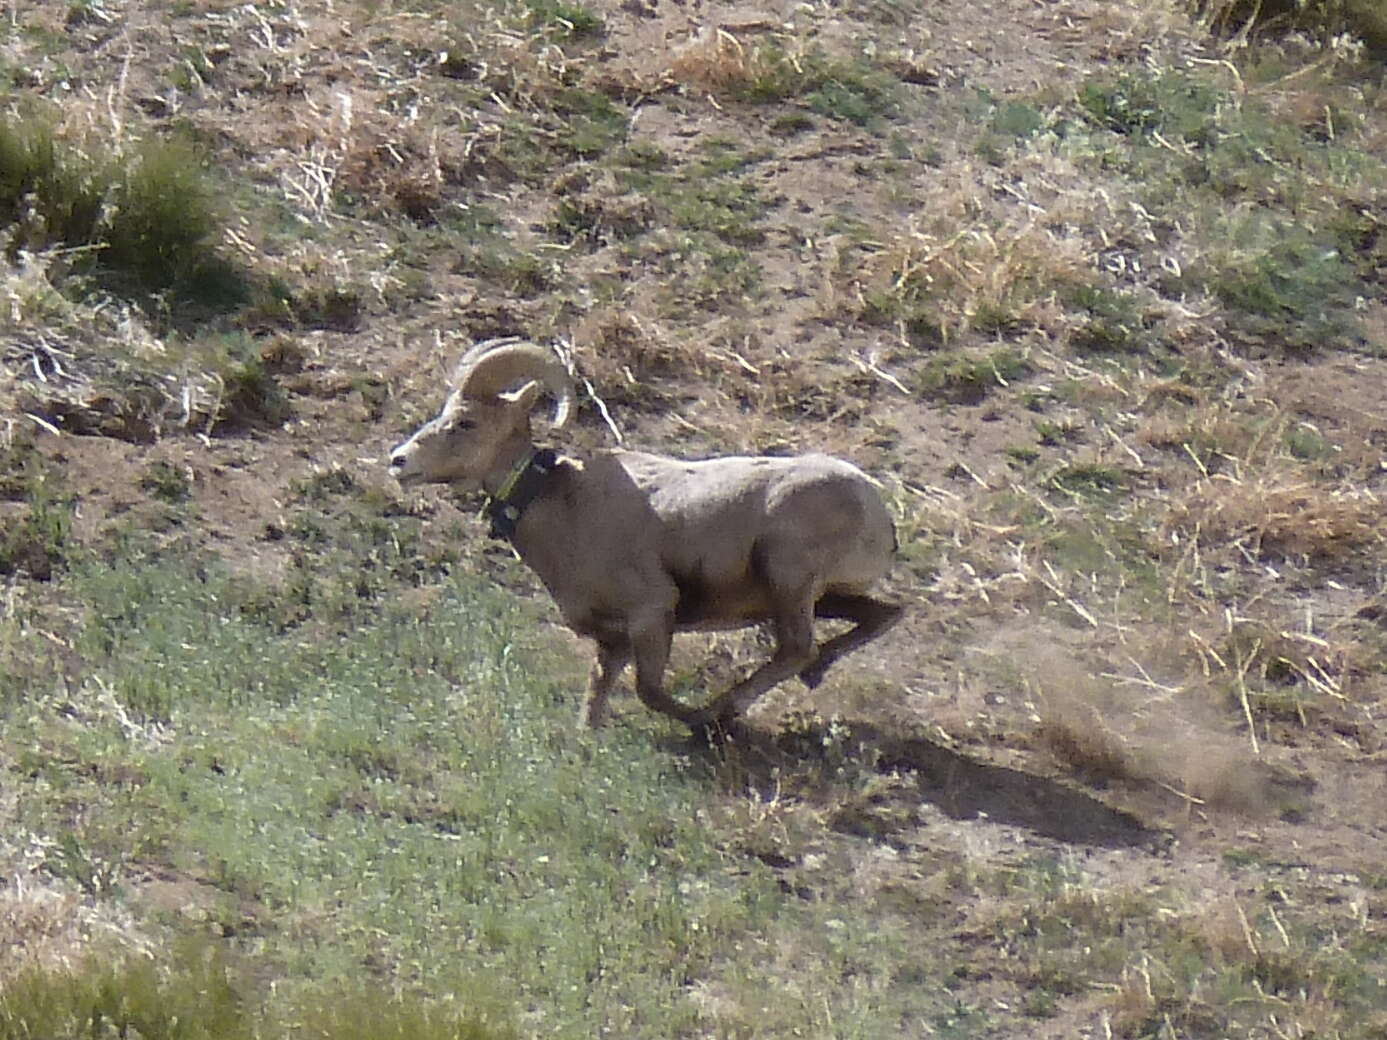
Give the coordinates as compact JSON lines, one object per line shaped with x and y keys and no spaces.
{"x":611,"y":658}
{"x":794,"y":649}
{"x":650,"y":643}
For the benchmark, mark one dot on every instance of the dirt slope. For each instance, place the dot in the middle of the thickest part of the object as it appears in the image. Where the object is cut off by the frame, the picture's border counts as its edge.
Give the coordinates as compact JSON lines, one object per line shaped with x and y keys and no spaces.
{"x":1158,"y":716}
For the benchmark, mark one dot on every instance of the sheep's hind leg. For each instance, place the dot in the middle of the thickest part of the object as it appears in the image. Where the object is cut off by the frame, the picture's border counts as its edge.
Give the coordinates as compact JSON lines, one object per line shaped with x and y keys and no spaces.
{"x":794,"y":648}
{"x":872,"y":617}
{"x":606,"y":668}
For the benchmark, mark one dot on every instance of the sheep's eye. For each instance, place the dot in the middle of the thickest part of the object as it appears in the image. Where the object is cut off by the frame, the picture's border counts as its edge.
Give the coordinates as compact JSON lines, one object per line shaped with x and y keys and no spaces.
{"x":460,"y":425}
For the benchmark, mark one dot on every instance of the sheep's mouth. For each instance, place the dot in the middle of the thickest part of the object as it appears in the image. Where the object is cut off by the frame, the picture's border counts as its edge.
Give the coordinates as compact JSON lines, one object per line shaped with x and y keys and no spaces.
{"x":399,"y":468}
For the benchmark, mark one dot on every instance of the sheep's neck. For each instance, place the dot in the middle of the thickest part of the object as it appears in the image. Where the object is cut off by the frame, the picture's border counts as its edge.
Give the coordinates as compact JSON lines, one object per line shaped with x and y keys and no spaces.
{"x":526,"y":482}
{"x":507,"y":487}
{"x":513,"y":457}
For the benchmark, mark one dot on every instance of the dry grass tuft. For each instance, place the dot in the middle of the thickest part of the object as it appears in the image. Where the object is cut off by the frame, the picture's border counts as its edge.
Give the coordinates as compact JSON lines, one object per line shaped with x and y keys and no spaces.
{"x":972,"y":259}
{"x":1255,"y":484}
{"x":48,"y":924}
{"x":39,"y":926}
{"x":618,"y":347}
{"x":388,"y":164}
{"x":1288,"y":670}
{"x":976,"y":276}
{"x":715,"y":61}
{"x":1279,"y":516}
{"x":1217,"y":434}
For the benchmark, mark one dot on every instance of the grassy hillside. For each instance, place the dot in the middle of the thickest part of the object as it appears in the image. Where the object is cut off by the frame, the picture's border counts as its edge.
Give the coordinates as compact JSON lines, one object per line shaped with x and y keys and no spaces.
{"x":1095,"y":289}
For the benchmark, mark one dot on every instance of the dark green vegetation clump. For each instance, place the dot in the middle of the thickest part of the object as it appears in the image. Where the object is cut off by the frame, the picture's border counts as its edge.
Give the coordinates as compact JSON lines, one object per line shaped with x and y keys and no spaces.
{"x":144,"y":220}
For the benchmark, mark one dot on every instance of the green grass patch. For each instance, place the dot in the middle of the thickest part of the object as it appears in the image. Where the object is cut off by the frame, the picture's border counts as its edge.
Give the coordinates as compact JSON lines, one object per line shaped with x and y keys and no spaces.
{"x":850,"y":91}
{"x":167,"y":482}
{"x":1173,"y":104}
{"x":1273,"y":220}
{"x":1289,"y":289}
{"x":1004,"y":124}
{"x":418,"y":802}
{"x":387,"y":809}
{"x":427,"y":821}
{"x":487,"y":251}
{"x":712,"y":194}
{"x":201,"y":994}
{"x":1089,"y":480}
{"x":1113,"y":322}
{"x":966,"y":378}
{"x":590,"y":122}
{"x":573,"y":20}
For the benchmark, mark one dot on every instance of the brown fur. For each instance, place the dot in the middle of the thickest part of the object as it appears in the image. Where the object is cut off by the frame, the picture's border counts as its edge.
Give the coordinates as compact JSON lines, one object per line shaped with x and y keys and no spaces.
{"x":634,"y":547}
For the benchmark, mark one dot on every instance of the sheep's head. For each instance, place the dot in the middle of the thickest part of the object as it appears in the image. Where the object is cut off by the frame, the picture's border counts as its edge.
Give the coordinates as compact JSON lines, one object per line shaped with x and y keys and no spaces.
{"x":495,"y":387}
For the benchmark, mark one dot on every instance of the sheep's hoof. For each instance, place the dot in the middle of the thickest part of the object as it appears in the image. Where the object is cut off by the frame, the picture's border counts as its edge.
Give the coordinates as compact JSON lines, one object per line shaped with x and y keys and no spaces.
{"x":813,"y":675}
{"x":699,"y":720}
{"x":711,"y":718}
{"x":716,"y":731}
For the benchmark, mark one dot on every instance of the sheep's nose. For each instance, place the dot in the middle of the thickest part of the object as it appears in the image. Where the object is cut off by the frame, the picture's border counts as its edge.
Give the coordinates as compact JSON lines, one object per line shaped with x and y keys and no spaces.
{"x":397,"y":461}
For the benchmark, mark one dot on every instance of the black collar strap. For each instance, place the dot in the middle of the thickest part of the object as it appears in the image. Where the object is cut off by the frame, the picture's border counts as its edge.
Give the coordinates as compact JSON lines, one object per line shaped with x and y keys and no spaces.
{"x":523,"y":486}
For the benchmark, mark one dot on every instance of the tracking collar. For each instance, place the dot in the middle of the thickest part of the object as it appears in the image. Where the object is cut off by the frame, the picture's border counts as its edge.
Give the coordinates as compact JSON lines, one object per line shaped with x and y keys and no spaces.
{"x":522,"y":487}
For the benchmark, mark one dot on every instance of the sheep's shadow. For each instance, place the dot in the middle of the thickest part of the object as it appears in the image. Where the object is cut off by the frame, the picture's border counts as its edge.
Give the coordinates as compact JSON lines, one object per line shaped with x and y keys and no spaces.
{"x":961,"y":787}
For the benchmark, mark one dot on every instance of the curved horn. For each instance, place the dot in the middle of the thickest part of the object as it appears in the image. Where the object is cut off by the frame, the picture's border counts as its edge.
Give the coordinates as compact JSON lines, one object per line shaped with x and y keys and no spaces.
{"x":475,"y":351}
{"x":502,"y":364}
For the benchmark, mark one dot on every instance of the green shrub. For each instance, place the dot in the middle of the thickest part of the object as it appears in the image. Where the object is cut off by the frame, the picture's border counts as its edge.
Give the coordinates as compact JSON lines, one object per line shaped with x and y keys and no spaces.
{"x":162,"y":221}
{"x":147,"y":218}
{"x":167,"y":482}
{"x":52,"y":191}
{"x":36,"y":544}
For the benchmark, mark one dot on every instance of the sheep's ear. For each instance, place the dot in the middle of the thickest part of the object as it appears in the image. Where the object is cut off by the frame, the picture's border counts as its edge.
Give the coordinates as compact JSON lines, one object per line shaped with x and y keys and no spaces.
{"x":524,"y":399}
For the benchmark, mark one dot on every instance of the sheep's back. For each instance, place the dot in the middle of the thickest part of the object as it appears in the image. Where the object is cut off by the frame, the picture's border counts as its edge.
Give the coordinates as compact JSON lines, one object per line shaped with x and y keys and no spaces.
{"x":728,"y":520}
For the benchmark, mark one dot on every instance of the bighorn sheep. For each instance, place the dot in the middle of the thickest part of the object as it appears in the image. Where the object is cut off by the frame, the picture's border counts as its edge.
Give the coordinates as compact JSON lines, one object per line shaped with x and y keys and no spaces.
{"x":634,"y":547}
